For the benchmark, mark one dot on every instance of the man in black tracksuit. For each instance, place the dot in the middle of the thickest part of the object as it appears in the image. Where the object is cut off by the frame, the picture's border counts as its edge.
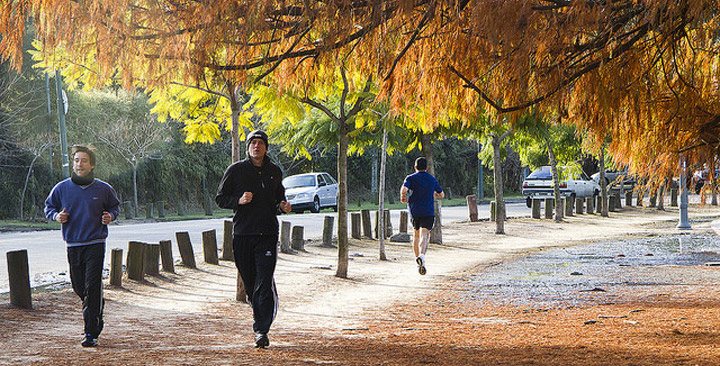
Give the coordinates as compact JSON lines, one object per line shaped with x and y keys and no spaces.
{"x":253,"y":189}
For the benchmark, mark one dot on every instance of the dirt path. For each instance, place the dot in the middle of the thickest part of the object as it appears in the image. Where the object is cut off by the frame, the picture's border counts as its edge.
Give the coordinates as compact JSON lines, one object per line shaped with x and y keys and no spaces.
{"x":384,"y":313}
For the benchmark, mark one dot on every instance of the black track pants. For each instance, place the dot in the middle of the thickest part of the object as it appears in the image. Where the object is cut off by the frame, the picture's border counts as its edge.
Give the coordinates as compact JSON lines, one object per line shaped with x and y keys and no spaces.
{"x":86,"y":266}
{"x":255,"y":258}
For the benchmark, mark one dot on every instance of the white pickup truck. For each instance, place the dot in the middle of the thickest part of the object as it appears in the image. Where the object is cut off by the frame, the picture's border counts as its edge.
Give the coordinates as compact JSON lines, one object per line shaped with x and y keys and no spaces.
{"x":539,"y":184}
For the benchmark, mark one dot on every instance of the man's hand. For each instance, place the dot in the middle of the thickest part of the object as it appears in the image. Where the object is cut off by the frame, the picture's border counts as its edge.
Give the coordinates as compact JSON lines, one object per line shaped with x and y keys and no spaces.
{"x":285,"y":206}
{"x":62,"y":216}
{"x":246,"y":198}
{"x":106,"y":218}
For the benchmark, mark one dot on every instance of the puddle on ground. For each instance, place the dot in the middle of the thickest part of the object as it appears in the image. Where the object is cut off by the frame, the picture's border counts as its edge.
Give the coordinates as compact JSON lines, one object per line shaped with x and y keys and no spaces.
{"x":592,"y":274}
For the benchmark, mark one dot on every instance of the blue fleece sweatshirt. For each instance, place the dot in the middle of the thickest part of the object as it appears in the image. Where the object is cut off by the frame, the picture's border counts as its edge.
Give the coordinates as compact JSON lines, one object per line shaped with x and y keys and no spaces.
{"x":85,"y":206}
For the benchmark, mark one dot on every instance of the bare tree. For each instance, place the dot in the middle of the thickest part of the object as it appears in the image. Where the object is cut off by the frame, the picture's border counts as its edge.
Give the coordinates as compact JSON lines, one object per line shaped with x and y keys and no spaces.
{"x":133,"y":141}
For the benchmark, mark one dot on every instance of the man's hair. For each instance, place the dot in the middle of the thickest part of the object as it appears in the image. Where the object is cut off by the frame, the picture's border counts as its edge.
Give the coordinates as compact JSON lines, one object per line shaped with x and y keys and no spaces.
{"x":421,"y":163}
{"x":81,"y":148}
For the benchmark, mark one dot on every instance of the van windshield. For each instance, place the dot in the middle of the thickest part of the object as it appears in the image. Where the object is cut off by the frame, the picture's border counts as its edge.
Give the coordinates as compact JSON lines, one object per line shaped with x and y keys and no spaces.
{"x":299,"y":181}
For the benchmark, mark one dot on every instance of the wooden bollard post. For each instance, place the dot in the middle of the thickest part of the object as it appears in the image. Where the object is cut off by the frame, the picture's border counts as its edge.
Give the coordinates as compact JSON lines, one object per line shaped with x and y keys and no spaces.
{"x":590,"y":205}
{"x":598,"y":203}
{"x":493,"y":211}
{"x":298,"y":238}
{"x":549,"y":206}
{"x":149,"y":210}
{"x":628,"y":198}
{"x":579,"y":203}
{"x":569,"y":206}
{"x":152,"y":259}
{"x":673,"y":197}
{"x":560,"y":204}
{"x":403,"y":221}
{"x":328,"y":231}
{"x":388,"y":224}
{"x":612,"y":205}
{"x":366,"y":224}
{"x":19,"y":278}
{"x":161,"y":209}
{"x":355,"y":225}
{"x":618,"y":203}
{"x":187,"y":255}
{"x":209,"y":242}
{"x":472,"y":207}
{"x":116,"y":271}
{"x":166,"y":256}
{"x":227,"y":251}
{"x":535,"y":207}
{"x":135,"y":262}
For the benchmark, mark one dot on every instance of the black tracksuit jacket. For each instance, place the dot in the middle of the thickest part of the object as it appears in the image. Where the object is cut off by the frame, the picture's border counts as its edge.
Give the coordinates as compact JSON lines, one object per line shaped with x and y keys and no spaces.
{"x":259,"y":217}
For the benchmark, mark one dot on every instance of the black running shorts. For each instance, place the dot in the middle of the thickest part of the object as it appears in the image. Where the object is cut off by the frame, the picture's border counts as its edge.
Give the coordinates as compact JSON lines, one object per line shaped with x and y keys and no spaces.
{"x":423,"y":221}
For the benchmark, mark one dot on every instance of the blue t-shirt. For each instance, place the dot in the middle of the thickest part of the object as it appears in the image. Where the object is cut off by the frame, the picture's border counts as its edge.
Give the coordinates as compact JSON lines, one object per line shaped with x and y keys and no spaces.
{"x":421,"y":201}
{"x":85,"y":206}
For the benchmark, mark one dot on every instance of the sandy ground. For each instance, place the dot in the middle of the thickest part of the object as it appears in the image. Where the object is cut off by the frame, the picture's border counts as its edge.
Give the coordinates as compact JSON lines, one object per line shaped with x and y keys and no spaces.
{"x":384,"y":312}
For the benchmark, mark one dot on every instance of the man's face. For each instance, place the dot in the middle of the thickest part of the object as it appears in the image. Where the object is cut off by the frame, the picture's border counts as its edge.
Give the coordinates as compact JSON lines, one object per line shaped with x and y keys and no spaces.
{"x":81,"y":164}
{"x":257,"y":149}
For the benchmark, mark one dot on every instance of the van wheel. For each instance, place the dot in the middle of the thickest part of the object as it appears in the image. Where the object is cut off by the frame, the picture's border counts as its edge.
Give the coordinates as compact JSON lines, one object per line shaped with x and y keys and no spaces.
{"x":316,"y":205}
{"x":528,"y":202}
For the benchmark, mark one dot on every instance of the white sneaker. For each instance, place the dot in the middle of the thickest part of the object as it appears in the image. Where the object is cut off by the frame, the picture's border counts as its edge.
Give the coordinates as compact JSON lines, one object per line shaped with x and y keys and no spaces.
{"x":421,"y":265}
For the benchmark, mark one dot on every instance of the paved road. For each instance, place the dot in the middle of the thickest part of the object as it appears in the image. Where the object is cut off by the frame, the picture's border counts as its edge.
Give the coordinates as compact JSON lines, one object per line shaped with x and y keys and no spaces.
{"x":47,"y":255}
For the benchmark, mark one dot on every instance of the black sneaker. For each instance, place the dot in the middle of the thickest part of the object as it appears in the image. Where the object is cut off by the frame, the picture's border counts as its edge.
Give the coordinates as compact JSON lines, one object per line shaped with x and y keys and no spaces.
{"x":421,"y":265}
{"x":261,"y":340}
{"x":89,"y":341}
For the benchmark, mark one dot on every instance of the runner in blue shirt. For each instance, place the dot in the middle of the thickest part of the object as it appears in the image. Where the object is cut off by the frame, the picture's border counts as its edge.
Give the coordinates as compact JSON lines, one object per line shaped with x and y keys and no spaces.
{"x":419,"y":191}
{"x":85,"y":206}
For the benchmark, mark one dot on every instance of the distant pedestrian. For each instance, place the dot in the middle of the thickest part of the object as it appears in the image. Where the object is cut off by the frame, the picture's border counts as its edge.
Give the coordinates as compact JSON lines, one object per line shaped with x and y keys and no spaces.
{"x":253,"y":189}
{"x":419,"y":191}
{"x":84,"y":206}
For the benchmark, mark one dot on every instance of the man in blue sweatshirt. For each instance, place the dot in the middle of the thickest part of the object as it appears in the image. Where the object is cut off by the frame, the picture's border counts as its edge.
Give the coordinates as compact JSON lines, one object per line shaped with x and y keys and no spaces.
{"x":419,"y":191}
{"x":84,"y":206}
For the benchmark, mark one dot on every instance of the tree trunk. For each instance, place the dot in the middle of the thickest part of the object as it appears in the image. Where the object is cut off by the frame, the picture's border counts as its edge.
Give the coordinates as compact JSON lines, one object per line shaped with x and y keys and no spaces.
{"x":342,"y":268}
{"x":22,"y":196}
{"x":559,"y":209}
{"x":135,"y":189}
{"x":235,"y":118}
{"x":603,"y":185}
{"x":381,"y":197}
{"x":497,"y":173}
{"x":426,"y":142}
